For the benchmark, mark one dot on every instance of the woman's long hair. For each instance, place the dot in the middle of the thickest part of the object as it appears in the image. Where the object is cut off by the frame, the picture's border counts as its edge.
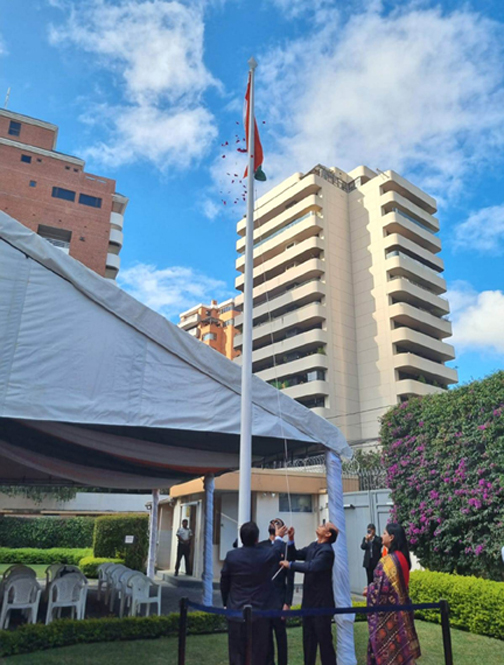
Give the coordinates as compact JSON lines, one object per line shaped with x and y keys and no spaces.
{"x":400,"y":542}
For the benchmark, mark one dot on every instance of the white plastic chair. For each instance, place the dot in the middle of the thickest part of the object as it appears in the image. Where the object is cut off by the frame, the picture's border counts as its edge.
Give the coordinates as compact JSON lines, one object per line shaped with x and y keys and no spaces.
{"x":114,"y":587}
{"x":102,"y":577}
{"x":20,"y":593}
{"x":125,"y":589}
{"x":141,"y":587}
{"x":110,"y":579}
{"x":67,"y":591}
{"x":19,"y":568}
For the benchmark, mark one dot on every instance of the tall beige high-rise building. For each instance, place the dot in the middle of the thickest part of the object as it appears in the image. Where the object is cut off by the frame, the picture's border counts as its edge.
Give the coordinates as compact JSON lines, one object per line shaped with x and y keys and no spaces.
{"x":349,"y":317}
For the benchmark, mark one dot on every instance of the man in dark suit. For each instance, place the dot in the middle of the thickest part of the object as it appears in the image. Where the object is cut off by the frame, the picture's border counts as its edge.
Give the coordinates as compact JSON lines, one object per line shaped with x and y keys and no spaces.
{"x":316,"y":562}
{"x":246,"y":580}
{"x":283,"y":585}
{"x":372,"y":546}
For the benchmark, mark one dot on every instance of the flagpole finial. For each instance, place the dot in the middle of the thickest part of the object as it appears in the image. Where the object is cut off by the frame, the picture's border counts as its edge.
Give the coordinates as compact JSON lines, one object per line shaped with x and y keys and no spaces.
{"x":252,"y":63}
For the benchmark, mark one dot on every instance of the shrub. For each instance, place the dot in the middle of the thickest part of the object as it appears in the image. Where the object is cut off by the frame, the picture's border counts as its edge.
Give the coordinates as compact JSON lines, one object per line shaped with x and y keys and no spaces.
{"x":89,"y":565}
{"x":444,"y":456}
{"x":35,"y":637}
{"x":46,"y":532}
{"x":31,"y":555}
{"x":476,"y":605}
{"x":109,"y":535}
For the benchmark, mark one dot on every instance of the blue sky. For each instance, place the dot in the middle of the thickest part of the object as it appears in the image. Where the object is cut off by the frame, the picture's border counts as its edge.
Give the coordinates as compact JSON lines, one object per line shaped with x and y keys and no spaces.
{"x":147,"y":91}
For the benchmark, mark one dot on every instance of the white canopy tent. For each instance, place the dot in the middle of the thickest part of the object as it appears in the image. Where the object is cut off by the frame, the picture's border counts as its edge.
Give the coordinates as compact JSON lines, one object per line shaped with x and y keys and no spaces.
{"x":97,"y":389}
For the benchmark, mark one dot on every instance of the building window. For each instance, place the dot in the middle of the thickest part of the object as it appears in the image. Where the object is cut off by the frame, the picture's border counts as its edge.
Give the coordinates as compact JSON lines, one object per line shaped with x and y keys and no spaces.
{"x":67,"y":168}
{"x":228,"y":308}
{"x":26,"y":158}
{"x":60,"y":193}
{"x":14,"y":128}
{"x":209,"y":336}
{"x":60,"y":238}
{"x":230,"y":322}
{"x":33,"y":183}
{"x":92,"y":201}
{"x":38,"y":159}
{"x":299,"y":503}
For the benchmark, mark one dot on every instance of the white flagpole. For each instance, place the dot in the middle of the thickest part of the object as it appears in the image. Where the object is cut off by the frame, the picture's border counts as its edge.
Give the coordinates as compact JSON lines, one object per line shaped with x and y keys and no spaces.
{"x":245,"y":493}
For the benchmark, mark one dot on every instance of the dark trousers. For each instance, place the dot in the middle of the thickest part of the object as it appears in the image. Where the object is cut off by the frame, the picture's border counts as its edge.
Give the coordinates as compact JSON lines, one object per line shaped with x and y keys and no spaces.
{"x":237,"y":642}
{"x":278,"y":628}
{"x":317,"y":632}
{"x":370,"y":575}
{"x":184,"y":550}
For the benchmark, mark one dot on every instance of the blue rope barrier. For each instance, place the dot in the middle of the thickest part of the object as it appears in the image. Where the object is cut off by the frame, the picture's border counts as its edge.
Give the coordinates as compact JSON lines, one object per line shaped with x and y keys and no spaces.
{"x":316,"y":611}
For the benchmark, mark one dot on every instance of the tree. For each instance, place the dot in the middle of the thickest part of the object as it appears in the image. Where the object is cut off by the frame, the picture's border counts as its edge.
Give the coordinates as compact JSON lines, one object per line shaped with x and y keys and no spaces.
{"x":444,"y":456}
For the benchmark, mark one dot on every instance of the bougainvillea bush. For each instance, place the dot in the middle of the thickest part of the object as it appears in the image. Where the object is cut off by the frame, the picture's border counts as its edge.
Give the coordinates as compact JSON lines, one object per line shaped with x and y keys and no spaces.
{"x":445,"y":468}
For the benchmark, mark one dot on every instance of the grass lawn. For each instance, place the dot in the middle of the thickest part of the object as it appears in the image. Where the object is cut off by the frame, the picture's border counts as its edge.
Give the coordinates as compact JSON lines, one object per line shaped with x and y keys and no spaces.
{"x":212,"y":650}
{"x":39,"y":569}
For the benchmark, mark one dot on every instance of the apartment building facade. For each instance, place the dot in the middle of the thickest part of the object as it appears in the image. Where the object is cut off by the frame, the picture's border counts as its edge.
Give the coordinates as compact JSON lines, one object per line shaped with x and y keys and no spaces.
{"x":348,"y":316}
{"x":51,"y":193}
{"x":214,"y":325}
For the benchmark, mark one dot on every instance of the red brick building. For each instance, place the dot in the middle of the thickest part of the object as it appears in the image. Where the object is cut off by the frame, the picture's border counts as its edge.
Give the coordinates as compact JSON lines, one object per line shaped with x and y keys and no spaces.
{"x":50,"y":193}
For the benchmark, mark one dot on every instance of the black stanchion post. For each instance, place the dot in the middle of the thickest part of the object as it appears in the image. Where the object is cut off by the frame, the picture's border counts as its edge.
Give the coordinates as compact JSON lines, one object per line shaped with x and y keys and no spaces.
{"x":445,"y":626}
{"x":247,"y":615}
{"x":182,"y":632}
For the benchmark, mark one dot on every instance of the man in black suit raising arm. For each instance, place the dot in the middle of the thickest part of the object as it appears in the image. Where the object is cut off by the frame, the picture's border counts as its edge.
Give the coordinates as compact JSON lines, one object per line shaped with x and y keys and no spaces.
{"x":316,"y":562}
{"x":246,"y":580}
{"x":283,"y":587}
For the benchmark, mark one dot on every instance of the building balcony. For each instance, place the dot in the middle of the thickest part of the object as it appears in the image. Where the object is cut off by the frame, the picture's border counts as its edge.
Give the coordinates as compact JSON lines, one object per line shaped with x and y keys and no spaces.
{"x":411,"y":195}
{"x":194,"y":332}
{"x":113,"y":261}
{"x":294,"y":240}
{"x":299,"y":320}
{"x":411,"y":388}
{"x":289,"y":274}
{"x":116,"y":237}
{"x":434,"y":372}
{"x":117,"y":220}
{"x":404,"y":290}
{"x":294,"y":298}
{"x":299,"y":366}
{"x":401,"y":265}
{"x":189,"y":321}
{"x":307,"y":222}
{"x":310,"y":339}
{"x":270,"y":206}
{"x":415,"y":318}
{"x":423,"y":345}
{"x":310,"y":389}
{"x":396,"y":242}
{"x":396,"y":222}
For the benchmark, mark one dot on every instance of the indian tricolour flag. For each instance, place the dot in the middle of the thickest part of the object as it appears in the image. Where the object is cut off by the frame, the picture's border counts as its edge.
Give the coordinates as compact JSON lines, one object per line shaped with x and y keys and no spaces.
{"x":258,"y":151}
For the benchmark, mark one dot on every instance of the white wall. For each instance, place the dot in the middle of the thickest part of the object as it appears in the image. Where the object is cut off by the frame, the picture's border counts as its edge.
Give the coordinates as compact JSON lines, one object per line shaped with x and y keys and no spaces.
{"x":92,"y":502}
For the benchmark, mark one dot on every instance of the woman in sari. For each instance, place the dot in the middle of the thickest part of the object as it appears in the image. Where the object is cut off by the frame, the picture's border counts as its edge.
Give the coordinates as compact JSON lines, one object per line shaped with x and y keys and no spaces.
{"x":392,"y":636}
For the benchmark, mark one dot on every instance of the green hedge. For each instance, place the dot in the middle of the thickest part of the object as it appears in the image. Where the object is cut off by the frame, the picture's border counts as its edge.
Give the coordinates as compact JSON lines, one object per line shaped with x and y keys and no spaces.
{"x":110,"y":533}
{"x":476,"y":605}
{"x":46,"y":532}
{"x":89,"y":565}
{"x":65,"y":632}
{"x":31,"y":555}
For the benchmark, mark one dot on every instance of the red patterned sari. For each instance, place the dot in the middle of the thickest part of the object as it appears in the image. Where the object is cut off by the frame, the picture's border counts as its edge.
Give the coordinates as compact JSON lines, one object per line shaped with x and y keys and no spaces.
{"x":392,"y":636}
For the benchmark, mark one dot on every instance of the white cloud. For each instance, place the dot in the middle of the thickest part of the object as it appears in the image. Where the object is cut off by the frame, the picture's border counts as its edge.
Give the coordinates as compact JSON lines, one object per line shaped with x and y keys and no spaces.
{"x":171,"y":290}
{"x":413,"y":90}
{"x":154,"y":48}
{"x":478,"y":318}
{"x":483,"y":231}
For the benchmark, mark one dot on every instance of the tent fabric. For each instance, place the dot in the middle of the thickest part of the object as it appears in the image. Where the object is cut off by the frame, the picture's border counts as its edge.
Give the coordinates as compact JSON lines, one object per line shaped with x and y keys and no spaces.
{"x":98,"y":389}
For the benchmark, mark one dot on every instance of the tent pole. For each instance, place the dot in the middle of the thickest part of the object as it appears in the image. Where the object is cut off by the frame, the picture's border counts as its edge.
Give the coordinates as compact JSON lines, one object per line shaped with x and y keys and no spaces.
{"x":341,"y":574}
{"x":153,"y":533}
{"x":209,"y":484}
{"x":244,"y":496}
